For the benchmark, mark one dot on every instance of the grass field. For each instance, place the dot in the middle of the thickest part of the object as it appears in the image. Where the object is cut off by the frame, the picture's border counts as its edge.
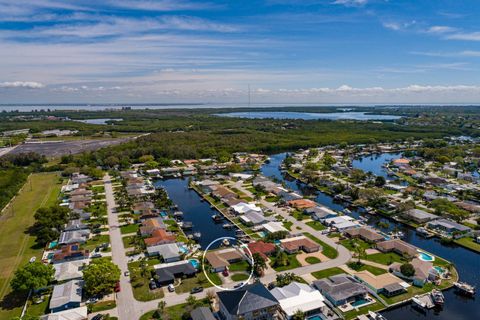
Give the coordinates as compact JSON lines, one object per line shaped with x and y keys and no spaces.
{"x":327,"y":273}
{"x":468,"y":243}
{"x":16,"y":246}
{"x":327,"y":250}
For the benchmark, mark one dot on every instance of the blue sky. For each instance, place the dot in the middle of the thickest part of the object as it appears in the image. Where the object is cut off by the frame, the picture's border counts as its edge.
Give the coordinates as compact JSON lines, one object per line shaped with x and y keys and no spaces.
{"x":304,"y":51}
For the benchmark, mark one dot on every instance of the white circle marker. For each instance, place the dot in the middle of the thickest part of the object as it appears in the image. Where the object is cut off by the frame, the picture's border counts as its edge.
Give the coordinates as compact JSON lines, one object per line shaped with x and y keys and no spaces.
{"x":241,"y":245}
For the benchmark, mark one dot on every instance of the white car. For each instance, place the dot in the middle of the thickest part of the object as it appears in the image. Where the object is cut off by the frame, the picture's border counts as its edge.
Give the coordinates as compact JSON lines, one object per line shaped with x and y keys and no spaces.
{"x":171,"y":288}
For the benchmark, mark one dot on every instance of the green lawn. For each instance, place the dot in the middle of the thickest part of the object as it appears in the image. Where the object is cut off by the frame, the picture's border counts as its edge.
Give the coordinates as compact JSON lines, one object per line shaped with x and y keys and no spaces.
{"x":102,"y":306}
{"x":129,"y":241}
{"x":96,"y":240}
{"x":239,"y":266}
{"x":140,"y":281}
{"x":373,"y":270}
{"x":239,"y":277}
{"x":468,"y":243}
{"x":385,"y":258}
{"x":353,"y":244}
{"x":299,"y":215}
{"x":175,"y":312}
{"x":215,"y":278}
{"x":288,"y":225}
{"x":292,"y":263}
{"x":316,"y":225}
{"x":327,"y":273}
{"x":328,"y":251}
{"x":129,"y":228}
{"x":189,"y":283}
{"x":354,"y":313}
{"x":16,"y":245}
{"x":312,"y":260}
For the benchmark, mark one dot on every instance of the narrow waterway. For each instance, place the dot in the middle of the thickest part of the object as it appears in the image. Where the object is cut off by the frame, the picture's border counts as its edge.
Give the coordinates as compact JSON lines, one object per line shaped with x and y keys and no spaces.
{"x":195,"y":210}
{"x":466,"y":262}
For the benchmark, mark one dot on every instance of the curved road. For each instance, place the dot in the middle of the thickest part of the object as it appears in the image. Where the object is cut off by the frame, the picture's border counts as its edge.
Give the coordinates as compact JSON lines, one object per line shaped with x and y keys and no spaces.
{"x":128,"y":308}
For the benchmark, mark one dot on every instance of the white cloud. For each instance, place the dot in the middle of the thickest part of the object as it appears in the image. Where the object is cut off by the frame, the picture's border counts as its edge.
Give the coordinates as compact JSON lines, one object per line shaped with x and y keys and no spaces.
{"x":397,"y":26}
{"x":467,"y":36}
{"x":161,"y":5}
{"x":440,"y":29}
{"x":351,"y":3}
{"x":22,"y":84}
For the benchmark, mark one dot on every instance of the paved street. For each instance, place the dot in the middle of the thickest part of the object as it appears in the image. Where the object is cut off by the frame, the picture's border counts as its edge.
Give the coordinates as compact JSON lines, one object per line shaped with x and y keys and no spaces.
{"x":126,"y":303}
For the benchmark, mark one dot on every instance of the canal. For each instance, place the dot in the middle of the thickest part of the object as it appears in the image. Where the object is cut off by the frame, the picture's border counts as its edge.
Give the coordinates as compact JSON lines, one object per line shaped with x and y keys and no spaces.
{"x":466,"y":262}
{"x":195,"y":210}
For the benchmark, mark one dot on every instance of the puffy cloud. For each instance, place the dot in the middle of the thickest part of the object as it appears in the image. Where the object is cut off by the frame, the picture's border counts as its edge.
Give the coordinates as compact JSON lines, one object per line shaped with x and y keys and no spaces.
{"x":22,"y":84}
{"x":467,"y":36}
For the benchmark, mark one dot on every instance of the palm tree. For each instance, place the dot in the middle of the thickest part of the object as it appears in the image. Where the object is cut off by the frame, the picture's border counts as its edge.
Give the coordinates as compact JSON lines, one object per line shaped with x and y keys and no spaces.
{"x":298,"y":315}
{"x":259,"y":264}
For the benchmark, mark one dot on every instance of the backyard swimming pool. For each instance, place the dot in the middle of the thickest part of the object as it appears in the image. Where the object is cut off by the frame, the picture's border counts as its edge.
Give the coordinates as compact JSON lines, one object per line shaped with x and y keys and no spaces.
{"x":425,"y":256}
{"x":195,"y":263}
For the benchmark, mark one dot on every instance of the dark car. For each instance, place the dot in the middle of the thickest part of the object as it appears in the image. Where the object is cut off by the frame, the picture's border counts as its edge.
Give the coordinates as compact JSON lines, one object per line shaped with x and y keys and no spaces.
{"x":225,"y":273}
{"x":98,"y":317}
{"x":152,"y":285}
{"x":238,"y":285}
{"x":196,"y":290}
{"x":117,"y":287}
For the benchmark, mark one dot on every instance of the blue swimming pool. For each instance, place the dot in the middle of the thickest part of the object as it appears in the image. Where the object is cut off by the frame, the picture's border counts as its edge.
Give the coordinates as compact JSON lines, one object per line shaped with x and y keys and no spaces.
{"x":195,"y":263}
{"x":315,"y":318}
{"x":163,"y":214}
{"x":425,"y":256}
{"x":183,"y":249}
{"x":359,"y":303}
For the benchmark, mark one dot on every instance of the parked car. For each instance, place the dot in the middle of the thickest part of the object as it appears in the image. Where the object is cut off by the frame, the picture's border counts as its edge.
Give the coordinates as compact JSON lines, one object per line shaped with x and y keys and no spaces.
{"x":171,"y":288}
{"x":225,"y":273}
{"x":98,"y":317}
{"x":96,"y":255}
{"x":238,"y":285}
{"x":196,"y":290}
{"x":117,"y":287}
{"x":152,"y":285}
{"x":126,"y":273}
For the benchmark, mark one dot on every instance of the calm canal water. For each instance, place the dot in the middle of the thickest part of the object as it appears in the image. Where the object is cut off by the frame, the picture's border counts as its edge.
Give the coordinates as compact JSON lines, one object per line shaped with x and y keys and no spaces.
{"x":466,"y":262}
{"x":195,"y":210}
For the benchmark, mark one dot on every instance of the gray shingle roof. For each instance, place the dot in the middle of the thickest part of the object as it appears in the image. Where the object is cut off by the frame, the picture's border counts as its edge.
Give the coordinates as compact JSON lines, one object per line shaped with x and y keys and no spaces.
{"x":67,"y":292}
{"x":202,"y":313}
{"x":340,"y":287}
{"x":247,"y":299}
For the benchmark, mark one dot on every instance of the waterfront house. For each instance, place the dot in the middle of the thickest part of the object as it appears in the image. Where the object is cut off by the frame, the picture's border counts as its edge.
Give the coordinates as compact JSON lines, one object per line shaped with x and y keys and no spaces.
{"x":299,"y":296}
{"x":386,"y":283}
{"x":80,"y":313}
{"x":221,"y":259}
{"x":341,"y":223}
{"x":449,"y":228}
{"x":159,"y":236}
{"x":150,"y":225}
{"x":295,"y":244}
{"x":69,"y":270}
{"x":69,"y":252}
{"x":302,"y":204}
{"x":202,"y":313}
{"x":139,"y":207}
{"x":170,"y":252}
{"x":365,"y":233}
{"x":397,"y":246}
{"x":471,"y":206}
{"x":341,"y":289}
{"x":320,"y":213}
{"x":243,"y":208}
{"x":424,"y":271}
{"x":167,"y":272}
{"x":251,"y":302}
{"x":67,"y":295}
{"x":419,"y":216}
{"x":253,"y":218}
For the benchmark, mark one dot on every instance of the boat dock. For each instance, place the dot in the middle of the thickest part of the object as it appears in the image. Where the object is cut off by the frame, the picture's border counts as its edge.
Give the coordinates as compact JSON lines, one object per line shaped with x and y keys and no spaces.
{"x":425,"y":301}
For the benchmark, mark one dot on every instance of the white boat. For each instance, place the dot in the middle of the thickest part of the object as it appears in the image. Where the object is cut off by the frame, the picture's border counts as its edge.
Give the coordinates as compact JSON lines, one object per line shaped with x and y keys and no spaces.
{"x":226,"y":242}
{"x":375,"y":316}
{"x":419,"y":302}
{"x":465,"y":288}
